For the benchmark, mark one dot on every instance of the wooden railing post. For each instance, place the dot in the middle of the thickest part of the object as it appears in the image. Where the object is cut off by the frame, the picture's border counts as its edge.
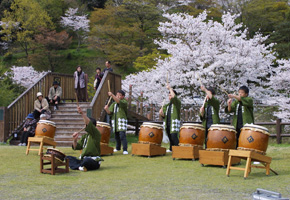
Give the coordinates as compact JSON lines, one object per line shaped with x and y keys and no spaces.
{"x":141,"y":104}
{"x":278,"y":131}
{"x":137,"y":107}
{"x":130,"y":97}
{"x":151,"y":112}
{"x":136,"y":127}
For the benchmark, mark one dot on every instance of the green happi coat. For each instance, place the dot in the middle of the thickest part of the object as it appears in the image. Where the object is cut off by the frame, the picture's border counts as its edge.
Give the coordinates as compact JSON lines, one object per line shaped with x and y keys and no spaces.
{"x":175,"y":115}
{"x":119,"y":115}
{"x":214,"y":102}
{"x":90,"y":142}
{"x":247,"y":110}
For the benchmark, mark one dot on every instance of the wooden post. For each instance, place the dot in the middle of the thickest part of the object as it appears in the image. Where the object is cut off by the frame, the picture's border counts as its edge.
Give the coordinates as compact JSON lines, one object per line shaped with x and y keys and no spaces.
{"x":137,"y":107}
{"x":154,"y":109}
{"x":186,"y":115}
{"x":151,"y":112}
{"x":130,"y":97}
{"x":136,"y":127}
{"x":141,"y":104}
{"x":278,"y":131}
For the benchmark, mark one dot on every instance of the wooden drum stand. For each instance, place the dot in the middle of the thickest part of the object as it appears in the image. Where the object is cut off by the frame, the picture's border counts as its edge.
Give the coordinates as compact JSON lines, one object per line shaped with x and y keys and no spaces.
{"x":54,"y":165}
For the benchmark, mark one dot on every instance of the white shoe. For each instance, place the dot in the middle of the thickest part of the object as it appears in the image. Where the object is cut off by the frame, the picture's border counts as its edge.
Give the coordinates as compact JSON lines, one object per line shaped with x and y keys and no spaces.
{"x":115,"y":150}
{"x":23,"y":144}
{"x":168,"y":151}
{"x":125,"y":152}
{"x":256,"y":163}
{"x":84,"y":169}
{"x":54,"y":108}
{"x":20,"y":144}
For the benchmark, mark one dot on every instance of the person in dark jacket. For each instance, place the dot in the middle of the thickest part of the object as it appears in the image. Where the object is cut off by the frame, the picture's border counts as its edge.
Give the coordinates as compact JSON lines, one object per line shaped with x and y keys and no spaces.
{"x":28,"y":129}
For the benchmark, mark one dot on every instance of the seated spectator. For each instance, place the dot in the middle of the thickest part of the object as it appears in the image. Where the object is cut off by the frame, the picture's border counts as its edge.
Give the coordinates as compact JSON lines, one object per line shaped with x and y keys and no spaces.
{"x":28,"y":129}
{"x":40,"y":106}
{"x":54,"y":95}
{"x":98,"y":78}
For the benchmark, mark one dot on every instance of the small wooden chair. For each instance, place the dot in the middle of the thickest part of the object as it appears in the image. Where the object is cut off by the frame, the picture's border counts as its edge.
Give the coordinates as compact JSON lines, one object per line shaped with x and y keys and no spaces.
{"x":42,"y":141}
{"x":54,"y":165}
{"x":249,"y":156}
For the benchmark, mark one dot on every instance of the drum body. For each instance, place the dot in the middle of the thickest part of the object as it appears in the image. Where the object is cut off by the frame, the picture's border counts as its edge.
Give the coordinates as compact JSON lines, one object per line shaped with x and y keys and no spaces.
{"x":45,"y":128}
{"x":221,"y":137}
{"x":191,"y":134}
{"x":254,"y":137}
{"x":57,"y":153}
{"x":151,"y":133}
{"x":105,"y":130}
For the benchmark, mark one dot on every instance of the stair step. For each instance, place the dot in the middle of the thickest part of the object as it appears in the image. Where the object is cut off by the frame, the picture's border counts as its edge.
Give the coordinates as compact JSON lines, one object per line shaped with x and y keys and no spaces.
{"x":66,"y":112}
{"x":66,"y":116}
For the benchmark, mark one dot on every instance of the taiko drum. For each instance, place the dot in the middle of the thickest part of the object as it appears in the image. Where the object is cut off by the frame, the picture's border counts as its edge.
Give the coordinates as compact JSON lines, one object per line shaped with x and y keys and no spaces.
{"x":45,"y":128}
{"x":254,"y":137}
{"x":221,"y":137}
{"x":105,"y":131}
{"x":191,"y":134}
{"x":151,"y":133}
{"x":57,"y":153}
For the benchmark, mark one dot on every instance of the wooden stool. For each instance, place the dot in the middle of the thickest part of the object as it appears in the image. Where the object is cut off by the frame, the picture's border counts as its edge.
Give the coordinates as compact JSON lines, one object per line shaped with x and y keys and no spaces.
{"x":249,"y":156}
{"x":54,"y":165}
{"x":42,"y":141}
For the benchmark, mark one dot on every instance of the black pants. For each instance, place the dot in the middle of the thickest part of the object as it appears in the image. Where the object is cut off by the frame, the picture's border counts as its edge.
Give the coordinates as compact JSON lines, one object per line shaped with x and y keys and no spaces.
{"x":88,"y":163}
{"x":173,"y":139}
{"x":25,"y":135}
{"x":53,"y":101}
{"x":121,"y":137}
{"x":81,"y":93}
{"x":37,"y":114}
{"x":238,"y":136}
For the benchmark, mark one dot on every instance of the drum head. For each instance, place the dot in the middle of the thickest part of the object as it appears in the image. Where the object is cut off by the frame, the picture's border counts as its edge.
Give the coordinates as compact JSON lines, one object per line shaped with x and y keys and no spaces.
{"x":256,"y":127}
{"x":222,"y":127}
{"x":192,"y":125}
{"x":103,"y":124}
{"x":152,"y":125}
{"x":47,"y":122}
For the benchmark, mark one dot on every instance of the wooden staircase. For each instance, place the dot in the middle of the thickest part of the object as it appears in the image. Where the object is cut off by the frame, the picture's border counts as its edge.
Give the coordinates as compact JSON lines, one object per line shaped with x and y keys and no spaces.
{"x":68,"y":121}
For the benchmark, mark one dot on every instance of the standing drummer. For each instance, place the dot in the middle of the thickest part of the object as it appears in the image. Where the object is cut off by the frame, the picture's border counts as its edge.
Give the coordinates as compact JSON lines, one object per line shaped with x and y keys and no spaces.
{"x":90,"y":146}
{"x":118,"y":112}
{"x":209,"y":112}
{"x":242,"y":108}
{"x":171,"y":115}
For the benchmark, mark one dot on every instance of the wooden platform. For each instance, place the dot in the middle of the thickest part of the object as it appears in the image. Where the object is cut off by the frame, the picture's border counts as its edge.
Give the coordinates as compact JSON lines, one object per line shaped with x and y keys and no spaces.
{"x":219,"y":158}
{"x":147,"y":150}
{"x":186,"y":152}
{"x":249,"y":156}
{"x":54,"y":166}
{"x":106,"y":150}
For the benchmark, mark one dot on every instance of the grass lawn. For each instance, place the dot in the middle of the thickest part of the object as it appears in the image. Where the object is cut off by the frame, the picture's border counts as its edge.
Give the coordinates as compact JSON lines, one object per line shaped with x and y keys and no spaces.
{"x":135,"y":177}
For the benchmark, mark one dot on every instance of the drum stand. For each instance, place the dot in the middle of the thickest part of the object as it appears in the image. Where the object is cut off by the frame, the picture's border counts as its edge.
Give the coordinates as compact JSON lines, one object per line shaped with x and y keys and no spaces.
{"x":219,"y":157}
{"x":106,"y":150}
{"x":186,"y":152}
{"x":42,"y":141}
{"x":54,"y":165}
{"x":147,"y":150}
{"x":249,"y":156}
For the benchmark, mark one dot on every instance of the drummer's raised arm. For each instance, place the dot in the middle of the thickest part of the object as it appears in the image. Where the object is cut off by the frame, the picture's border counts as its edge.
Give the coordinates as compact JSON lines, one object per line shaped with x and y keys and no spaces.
{"x":86,"y":119}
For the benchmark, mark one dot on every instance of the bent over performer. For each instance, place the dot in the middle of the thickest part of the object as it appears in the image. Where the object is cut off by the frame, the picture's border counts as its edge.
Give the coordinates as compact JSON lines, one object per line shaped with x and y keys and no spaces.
{"x":209,"y":112}
{"x":171,"y":117}
{"x":90,"y":146}
{"x":118,"y":113}
{"x":242,"y":108}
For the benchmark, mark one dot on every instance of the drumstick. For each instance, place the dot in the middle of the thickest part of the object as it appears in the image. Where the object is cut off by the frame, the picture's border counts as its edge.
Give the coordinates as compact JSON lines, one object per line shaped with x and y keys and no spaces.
{"x":109,"y":88}
{"x":223,"y":90}
{"x":109,"y":100}
{"x":163,"y":103}
{"x":204,"y":101}
{"x":82,"y":129}
{"x":77,"y":99}
{"x":199,"y":79}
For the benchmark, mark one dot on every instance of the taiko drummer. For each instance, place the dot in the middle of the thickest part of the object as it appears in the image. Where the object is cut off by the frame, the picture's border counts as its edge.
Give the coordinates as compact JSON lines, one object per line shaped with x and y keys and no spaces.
{"x":209,"y":112}
{"x":242,"y":108}
{"x":171,"y":114}
{"x":90,"y":146}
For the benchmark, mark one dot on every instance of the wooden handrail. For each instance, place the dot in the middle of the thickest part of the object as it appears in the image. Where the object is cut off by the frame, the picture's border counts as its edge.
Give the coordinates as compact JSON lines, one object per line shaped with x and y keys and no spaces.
{"x":101,"y":96}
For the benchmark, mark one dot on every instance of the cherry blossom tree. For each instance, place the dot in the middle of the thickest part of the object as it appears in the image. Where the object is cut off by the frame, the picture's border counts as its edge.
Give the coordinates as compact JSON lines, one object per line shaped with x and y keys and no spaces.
{"x":217,"y":52}
{"x":79,"y":24}
{"x":25,"y":76}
